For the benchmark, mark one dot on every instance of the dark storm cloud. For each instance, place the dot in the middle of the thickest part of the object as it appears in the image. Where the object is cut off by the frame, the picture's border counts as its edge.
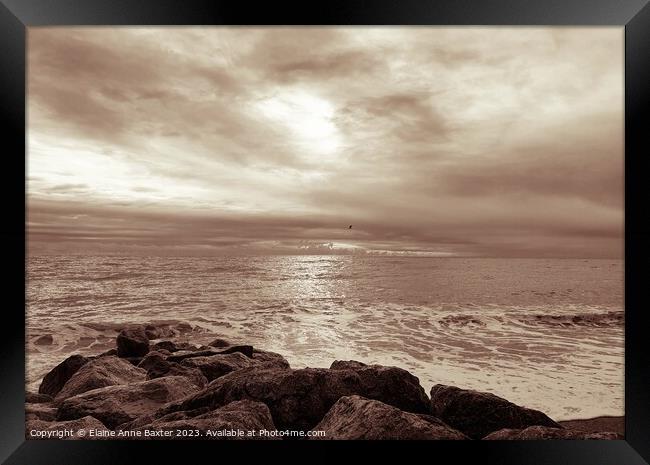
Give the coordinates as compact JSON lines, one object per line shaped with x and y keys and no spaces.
{"x":465,"y":141}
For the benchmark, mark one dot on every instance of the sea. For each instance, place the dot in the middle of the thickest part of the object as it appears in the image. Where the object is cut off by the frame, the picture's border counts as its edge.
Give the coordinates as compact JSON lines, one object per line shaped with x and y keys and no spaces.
{"x":547,"y":334}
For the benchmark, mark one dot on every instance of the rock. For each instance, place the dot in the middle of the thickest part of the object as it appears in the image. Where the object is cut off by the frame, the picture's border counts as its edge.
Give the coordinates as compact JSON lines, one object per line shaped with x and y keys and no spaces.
{"x":172,"y":346}
{"x":298,"y":399}
{"x":99,"y":373}
{"x":346,"y":365}
{"x":165,"y":368}
{"x":34,"y":398}
{"x":220,"y":343}
{"x":45,"y":340}
{"x":240,"y":416}
{"x":135,"y":361}
{"x":151,"y":359}
{"x":108,"y":353}
{"x":40,"y":411}
{"x":218,"y":365}
{"x":544,"y":432}
{"x":60,"y":374}
{"x":114,"y":405}
{"x":270,"y":359}
{"x":132,"y":342}
{"x":183,"y":354}
{"x":479,"y":413}
{"x":242,"y":349}
{"x":393,"y":386}
{"x":57,"y":429}
{"x":165,"y":345}
{"x":355,"y":417}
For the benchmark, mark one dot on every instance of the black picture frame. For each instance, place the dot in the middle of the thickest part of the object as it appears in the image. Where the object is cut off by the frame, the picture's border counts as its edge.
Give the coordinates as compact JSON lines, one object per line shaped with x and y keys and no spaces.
{"x":633,"y":15}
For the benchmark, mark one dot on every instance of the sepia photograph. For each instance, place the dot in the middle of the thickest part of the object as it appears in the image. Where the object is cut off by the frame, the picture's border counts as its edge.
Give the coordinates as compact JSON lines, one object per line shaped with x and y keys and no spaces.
{"x":325,"y":233}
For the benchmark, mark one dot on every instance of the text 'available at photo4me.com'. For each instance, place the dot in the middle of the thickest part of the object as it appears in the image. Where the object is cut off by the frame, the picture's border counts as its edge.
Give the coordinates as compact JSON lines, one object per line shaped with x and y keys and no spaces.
{"x":172,"y":434}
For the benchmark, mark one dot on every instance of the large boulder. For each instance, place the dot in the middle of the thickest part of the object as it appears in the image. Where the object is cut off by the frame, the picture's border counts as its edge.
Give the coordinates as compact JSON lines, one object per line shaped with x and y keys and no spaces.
{"x":163,"y":368}
{"x":60,"y":374}
{"x":99,"y":373}
{"x":355,"y":417}
{"x":233,"y":421}
{"x":544,"y":432}
{"x":216,"y":366}
{"x":270,"y":359}
{"x":298,"y":399}
{"x":132,"y":342}
{"x":114,"y":405}
{"x":479,"y":413}
{"x":391,"y":385}
{"x":152,"y":358}
{"x":38,"y":429}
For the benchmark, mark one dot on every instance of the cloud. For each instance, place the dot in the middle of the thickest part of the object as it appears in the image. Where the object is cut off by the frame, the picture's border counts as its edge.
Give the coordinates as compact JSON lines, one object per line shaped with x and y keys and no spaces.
{"x":466,"y":141}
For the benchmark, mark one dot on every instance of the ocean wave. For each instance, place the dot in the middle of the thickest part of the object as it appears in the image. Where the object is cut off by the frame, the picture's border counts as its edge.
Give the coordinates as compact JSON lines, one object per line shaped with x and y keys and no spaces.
{"x":610,"y":318}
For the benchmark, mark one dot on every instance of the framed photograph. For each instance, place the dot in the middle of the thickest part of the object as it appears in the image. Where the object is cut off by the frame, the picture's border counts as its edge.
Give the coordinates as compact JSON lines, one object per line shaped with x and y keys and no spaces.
{"x":387,"y":225}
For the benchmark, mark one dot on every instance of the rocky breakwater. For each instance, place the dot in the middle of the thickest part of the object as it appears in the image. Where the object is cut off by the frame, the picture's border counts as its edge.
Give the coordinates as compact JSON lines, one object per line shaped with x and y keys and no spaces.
{"x":149,"y":387}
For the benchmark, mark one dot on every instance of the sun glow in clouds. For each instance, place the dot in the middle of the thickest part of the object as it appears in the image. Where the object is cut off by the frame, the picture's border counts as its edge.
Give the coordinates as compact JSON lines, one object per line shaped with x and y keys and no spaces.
{"x":308,"y":117}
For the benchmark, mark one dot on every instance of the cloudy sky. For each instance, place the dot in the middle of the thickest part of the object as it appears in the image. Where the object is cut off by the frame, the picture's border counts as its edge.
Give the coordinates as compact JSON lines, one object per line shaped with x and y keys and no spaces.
{"x":440,"y":141}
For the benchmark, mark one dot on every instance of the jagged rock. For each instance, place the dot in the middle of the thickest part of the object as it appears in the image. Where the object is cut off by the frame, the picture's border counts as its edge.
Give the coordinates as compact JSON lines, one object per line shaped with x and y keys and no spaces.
{"x":236,"y":416}
{"x":114,"y":405}
{"x":270,"y":359}
{"x":164,"y":368}
{"x":544,"y":432}
{"x":218,"y":365}
{"x":35,"y":398}
{"x":298,"y":399}
{"x":60,"y":374}
{"x":151,"y":359}
{"x":40,"y":411}
{"x":355,"y":417}
{"x":57,"y":429}
{"x":132,"y":342}
{"x":479,"y":413}
{"x":99,"y":373}
{"x":346,"y":365}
